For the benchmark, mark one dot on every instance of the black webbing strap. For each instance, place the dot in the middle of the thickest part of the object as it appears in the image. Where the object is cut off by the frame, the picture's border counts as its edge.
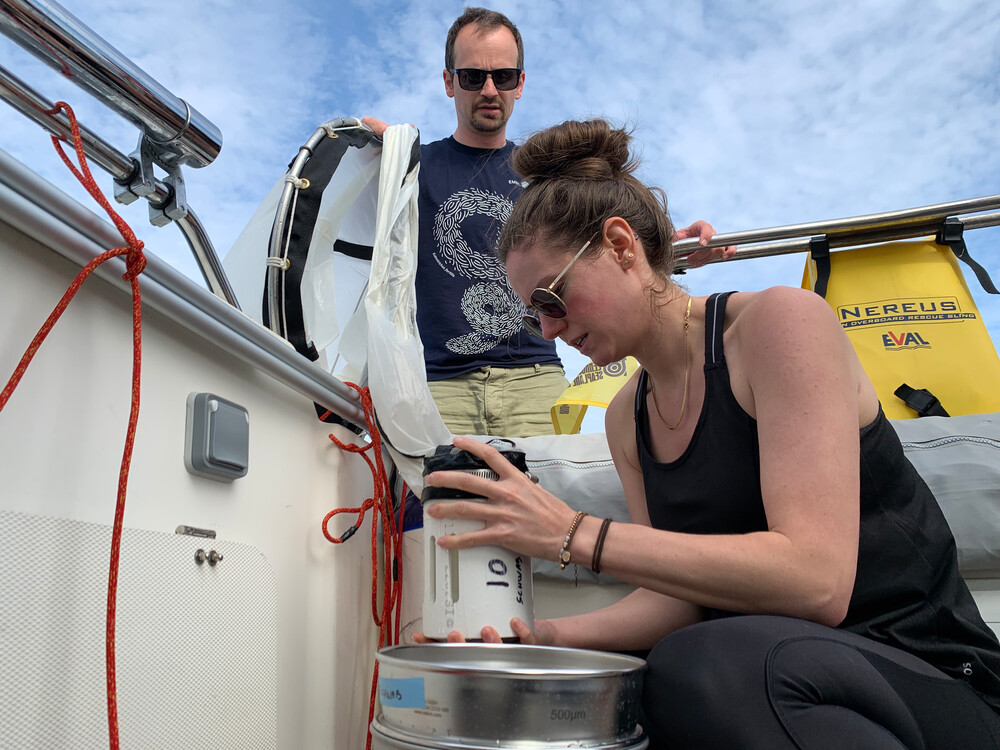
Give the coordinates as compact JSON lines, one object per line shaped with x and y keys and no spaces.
{"x":922,"y":401}
{"x":952,"y":234}
{"x":325,"y":415}
{"x":353,"y":249}
{"x":819,"y":250}
{"x":414,"y":158}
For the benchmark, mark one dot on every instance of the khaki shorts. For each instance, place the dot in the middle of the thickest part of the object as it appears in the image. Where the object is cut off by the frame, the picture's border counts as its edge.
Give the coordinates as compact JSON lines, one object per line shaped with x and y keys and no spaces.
{"x":506,"y":401}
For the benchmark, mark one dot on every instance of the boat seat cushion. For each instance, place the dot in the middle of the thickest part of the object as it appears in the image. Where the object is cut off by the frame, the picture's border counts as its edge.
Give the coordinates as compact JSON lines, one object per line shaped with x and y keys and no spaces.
{"x":959,"y":457}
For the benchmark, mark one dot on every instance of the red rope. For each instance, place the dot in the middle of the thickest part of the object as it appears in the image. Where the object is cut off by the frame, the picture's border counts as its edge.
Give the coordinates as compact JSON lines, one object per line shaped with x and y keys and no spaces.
{"x":135,"y":262}
{"x":380,"y":503}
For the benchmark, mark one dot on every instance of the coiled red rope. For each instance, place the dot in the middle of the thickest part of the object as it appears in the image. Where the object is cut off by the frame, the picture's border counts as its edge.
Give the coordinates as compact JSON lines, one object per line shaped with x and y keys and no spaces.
{"x":135,"y":262}
{"x":380,"y":503}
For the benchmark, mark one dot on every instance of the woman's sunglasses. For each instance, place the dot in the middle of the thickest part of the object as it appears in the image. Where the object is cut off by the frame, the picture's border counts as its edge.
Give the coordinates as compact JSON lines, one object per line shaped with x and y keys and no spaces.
{"x":546,"y":301}
{"x":473,"y":79}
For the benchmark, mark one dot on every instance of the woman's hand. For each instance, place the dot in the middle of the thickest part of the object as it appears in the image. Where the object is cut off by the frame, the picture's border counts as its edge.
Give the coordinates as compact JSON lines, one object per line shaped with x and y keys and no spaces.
{"x":519,"y":515}
{"x":544,"y":634}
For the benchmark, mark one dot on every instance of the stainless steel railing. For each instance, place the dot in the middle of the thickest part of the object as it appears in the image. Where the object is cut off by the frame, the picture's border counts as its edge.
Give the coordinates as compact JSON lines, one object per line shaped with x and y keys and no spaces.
{"x":851,"y":232}
{"x":173,"y":133}
{"x":48,"y":215}
{"x":62,"y":41}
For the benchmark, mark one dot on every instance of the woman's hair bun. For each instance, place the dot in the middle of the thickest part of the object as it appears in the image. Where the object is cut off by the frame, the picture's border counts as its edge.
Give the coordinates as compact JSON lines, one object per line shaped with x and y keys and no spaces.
{"x":587,"y":150}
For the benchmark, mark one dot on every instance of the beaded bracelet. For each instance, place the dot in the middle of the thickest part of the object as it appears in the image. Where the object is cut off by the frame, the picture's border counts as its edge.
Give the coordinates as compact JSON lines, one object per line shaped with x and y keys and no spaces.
{"x":564,"y":555}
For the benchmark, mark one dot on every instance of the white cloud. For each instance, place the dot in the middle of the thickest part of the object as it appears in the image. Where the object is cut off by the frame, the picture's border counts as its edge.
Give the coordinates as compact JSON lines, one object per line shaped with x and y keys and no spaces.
{"x":748,"y":114}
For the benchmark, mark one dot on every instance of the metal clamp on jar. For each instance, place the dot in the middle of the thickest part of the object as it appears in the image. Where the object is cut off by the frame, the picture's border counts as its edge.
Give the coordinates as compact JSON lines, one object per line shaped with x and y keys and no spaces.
{"x":466,"y":590}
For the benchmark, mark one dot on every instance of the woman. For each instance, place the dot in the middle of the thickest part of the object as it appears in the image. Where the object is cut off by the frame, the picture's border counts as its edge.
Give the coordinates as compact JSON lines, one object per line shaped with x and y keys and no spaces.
{"x":798,"y":583}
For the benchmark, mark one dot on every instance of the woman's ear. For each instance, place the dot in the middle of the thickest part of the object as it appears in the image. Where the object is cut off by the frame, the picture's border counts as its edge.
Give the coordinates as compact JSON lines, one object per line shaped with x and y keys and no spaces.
{"x":622,"y":241}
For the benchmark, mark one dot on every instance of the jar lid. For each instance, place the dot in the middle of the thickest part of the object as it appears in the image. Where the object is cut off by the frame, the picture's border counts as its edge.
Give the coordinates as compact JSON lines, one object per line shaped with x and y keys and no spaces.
{"x":450,"y":458}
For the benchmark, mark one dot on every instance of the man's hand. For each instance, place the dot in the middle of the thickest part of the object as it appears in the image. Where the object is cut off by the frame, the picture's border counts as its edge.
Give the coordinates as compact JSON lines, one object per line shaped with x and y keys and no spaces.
{"x":375,"y":125}
{"x":704,"y":232}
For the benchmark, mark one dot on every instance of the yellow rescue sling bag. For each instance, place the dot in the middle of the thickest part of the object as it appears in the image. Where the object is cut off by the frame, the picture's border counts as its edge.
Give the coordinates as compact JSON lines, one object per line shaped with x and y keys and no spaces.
{"x":918,"y":333}
{"x":594,"y":386}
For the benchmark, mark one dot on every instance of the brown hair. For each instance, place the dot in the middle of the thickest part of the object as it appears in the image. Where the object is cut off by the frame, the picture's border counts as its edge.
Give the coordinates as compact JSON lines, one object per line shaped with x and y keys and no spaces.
{"x":579,"y":174}
{"x":485,"y":20}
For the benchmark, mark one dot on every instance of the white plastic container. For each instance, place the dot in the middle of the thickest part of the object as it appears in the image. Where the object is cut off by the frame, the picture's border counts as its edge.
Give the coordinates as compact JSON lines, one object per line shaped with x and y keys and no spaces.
{"x":466,"y":590}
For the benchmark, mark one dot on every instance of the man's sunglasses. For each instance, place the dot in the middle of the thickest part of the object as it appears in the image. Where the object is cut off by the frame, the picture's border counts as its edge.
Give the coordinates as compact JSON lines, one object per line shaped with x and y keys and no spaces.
{"x":473,"y":79}
{"x":546,"y":301}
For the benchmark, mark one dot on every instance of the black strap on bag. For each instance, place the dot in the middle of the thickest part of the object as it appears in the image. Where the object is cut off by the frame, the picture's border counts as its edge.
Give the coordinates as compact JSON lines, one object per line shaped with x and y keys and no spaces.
{"x":922,"y":401}
{"x":353,"y":250}
{"x":327,"y":416}
{"x":952,"y":234}
{"x":819,"y":250}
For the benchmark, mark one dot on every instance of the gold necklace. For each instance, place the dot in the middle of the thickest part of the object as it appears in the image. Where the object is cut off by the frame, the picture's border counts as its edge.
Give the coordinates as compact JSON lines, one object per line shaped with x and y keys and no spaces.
{"x":687,"y":374}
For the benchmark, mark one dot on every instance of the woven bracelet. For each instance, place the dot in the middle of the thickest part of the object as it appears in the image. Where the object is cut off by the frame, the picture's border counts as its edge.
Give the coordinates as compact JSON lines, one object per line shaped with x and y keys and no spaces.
{"x":595,"y":563}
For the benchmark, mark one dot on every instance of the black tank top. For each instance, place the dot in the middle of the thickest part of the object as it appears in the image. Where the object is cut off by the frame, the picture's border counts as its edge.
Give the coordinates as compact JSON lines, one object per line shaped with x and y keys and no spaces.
{"x":908,"y":592}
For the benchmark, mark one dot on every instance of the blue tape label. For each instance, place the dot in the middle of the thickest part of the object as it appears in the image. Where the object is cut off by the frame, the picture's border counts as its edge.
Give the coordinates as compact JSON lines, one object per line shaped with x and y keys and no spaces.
{"x":406,"y":692}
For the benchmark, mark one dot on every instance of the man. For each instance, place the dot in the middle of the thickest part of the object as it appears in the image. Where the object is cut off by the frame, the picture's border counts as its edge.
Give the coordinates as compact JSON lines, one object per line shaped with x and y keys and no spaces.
{"x":488,"y":375}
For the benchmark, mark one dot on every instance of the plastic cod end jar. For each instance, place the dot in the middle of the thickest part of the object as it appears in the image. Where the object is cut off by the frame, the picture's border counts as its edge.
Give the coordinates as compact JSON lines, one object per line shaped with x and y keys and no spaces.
{"x":468,"y":589}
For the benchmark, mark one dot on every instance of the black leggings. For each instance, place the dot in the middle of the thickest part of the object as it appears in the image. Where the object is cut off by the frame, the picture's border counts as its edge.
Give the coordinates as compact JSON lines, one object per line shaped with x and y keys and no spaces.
{"x":775,"y":682}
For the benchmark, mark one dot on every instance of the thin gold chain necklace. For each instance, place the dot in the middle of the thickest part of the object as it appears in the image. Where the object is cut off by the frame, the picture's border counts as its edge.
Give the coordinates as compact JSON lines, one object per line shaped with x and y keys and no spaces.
{"x":687,"y":374}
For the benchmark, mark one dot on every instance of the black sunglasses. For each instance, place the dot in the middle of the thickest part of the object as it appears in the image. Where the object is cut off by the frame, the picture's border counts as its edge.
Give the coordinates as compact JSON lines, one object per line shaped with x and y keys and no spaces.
{"x":546,"y":301}
{"x":473,"y":79}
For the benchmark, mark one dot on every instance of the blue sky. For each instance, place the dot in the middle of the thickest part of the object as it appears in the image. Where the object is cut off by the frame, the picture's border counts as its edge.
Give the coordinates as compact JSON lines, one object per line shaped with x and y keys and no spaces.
{"x":748,"y":115}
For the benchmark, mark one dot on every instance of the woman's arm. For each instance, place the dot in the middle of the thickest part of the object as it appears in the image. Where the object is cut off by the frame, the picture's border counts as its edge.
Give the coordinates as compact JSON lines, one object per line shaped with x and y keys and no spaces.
{"x":649,"y":615}
{"x":793,"y":370}
{"x":639,"y":620}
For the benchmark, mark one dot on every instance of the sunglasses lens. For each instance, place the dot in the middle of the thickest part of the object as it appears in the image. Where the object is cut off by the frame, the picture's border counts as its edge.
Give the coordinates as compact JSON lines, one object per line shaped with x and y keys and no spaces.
{"x":532,"y":325}
{"x":471,"y":79}
{"x":505,"y":79}
{"x":548,"y":303}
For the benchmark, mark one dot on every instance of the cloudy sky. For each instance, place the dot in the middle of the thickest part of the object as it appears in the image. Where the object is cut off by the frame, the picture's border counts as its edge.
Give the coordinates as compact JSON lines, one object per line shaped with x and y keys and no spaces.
{"x":748,"y":114}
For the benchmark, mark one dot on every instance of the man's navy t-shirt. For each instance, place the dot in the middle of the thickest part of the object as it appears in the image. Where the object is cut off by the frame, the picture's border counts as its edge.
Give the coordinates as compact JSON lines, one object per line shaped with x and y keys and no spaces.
{"x":468,"y":315}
